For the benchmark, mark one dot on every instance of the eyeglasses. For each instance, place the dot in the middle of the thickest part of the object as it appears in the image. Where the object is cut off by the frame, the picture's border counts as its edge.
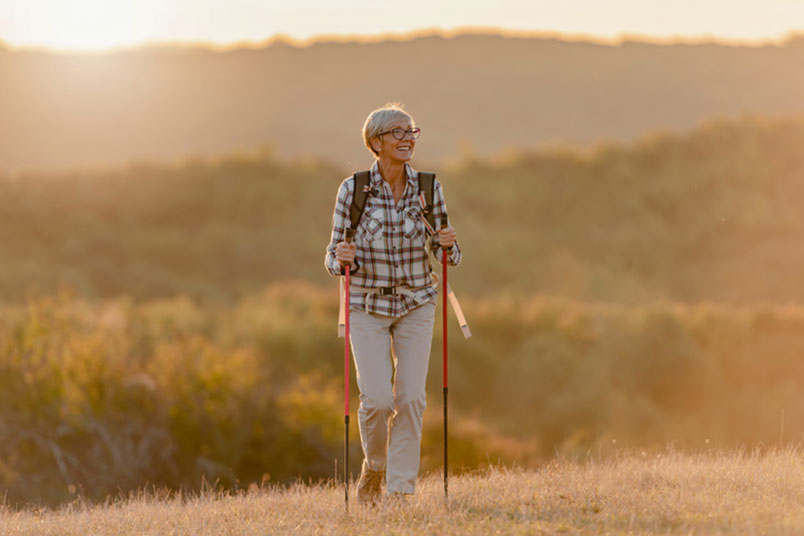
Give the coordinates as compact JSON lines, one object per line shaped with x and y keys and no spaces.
{"x":399,"y":133}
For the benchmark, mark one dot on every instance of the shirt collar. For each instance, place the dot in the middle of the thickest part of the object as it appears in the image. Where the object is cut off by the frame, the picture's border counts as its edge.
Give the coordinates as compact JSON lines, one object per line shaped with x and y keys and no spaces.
{"x":376,"y":178}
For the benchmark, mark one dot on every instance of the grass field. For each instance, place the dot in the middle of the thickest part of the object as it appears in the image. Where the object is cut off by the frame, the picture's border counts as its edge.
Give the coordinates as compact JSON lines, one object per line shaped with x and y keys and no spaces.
{"x":719,"y":492}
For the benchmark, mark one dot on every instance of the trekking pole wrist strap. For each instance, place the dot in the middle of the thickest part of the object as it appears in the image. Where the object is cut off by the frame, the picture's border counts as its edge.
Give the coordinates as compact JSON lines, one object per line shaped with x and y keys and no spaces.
{"x":354,"y":267}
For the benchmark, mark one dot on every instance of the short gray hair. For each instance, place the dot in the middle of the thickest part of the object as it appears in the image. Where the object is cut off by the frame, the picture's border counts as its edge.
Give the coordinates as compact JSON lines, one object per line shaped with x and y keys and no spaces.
{"x":380,"y":119}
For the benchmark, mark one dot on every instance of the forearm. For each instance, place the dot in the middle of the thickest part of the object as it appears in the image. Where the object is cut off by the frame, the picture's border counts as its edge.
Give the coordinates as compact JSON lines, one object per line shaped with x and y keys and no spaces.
{"x":340,"y":222}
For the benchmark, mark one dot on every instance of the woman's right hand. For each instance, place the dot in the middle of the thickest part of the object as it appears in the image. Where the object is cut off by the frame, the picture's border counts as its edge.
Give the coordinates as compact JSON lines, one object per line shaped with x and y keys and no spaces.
{"x":345,"y":253}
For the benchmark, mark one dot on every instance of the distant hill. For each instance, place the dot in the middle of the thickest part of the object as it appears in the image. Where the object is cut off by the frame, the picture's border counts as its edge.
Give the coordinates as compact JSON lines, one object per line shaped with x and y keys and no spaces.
{"x":480,"y":93}
{"x":712,"y":215}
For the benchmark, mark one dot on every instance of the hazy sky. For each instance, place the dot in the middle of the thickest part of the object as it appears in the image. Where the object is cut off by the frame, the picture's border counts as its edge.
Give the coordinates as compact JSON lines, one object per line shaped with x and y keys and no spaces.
{"x":95,"y":24}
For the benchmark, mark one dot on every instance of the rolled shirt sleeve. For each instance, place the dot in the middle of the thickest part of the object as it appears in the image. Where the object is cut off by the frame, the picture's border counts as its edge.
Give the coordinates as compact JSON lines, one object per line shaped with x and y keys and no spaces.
{"x":340,"y":223}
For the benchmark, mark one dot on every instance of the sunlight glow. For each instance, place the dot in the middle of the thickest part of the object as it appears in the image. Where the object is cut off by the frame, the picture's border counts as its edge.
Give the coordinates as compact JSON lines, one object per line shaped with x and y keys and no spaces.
{"x":86,"y":24}
{"x":103,"y":24}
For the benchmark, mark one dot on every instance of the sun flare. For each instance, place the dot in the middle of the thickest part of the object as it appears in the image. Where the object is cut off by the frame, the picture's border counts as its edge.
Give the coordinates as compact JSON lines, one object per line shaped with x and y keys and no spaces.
{"x":92,"y":25}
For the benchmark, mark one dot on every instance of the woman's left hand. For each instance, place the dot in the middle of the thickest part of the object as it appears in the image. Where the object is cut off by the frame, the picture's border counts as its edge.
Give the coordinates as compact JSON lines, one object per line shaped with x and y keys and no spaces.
{"x":447,"y":237}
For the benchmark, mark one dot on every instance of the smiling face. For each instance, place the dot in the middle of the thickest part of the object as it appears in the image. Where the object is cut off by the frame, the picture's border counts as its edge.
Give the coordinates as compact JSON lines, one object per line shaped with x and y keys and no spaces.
{"x":387,"y":146}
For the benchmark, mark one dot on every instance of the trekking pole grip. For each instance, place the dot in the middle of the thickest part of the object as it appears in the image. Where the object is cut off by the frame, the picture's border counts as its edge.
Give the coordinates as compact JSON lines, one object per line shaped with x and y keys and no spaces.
{"x":444,"y":225}
{"x":350,"y":234}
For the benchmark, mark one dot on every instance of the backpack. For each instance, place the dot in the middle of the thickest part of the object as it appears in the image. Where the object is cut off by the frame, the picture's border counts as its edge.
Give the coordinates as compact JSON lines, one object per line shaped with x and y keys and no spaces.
{"x":426,"y":187}
{"x":362,"y":188}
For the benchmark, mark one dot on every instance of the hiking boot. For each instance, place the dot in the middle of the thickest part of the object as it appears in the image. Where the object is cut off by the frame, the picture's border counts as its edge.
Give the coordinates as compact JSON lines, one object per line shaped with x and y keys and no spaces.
{"x":369,"y":488}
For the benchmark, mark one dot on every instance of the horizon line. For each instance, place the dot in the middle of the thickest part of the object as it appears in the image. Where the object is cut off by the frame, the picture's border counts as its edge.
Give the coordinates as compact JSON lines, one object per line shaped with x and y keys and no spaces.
{"x":479,"y":31}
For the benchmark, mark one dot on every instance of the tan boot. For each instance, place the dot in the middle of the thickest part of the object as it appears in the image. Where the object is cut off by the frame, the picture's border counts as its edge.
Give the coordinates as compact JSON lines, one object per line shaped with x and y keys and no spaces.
{"x":369,"y":488}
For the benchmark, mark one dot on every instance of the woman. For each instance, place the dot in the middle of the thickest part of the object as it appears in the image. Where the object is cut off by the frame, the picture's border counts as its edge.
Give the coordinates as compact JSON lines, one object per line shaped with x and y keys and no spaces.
{"x":392,"y":301}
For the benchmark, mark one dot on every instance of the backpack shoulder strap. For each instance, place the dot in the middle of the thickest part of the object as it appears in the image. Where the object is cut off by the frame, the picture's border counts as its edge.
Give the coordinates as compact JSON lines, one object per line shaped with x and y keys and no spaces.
{"x":359,"y":198}
{"x":427,"y":187}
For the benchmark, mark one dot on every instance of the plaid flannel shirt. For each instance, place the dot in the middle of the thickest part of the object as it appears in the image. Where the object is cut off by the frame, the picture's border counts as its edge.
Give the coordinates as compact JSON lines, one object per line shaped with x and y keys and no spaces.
{"x":391,"y":244}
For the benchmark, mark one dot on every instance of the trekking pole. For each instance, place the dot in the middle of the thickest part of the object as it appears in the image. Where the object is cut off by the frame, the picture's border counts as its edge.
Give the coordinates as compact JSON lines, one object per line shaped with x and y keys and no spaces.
{"x":445,"y":253}
{"x":346,"y":271}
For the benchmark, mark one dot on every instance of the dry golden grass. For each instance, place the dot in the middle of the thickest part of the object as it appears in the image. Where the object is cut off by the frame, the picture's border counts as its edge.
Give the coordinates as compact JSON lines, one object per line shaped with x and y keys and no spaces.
{"x":761,"y":492}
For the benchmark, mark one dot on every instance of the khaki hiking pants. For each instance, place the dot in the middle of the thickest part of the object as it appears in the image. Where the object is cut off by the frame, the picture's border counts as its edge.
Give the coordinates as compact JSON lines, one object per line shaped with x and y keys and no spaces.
{"x":392,"y":403}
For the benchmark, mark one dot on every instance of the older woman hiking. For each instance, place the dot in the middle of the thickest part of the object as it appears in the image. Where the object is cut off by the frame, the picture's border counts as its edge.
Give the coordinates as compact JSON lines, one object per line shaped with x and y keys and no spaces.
{"x":392,"y":300}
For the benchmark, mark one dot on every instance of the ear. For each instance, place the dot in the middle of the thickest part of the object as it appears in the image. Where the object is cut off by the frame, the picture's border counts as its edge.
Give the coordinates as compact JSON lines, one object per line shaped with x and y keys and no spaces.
{"x":376,"y":144}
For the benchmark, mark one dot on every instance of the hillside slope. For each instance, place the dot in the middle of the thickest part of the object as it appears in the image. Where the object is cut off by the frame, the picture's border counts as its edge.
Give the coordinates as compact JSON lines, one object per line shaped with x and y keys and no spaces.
{"x":481,"y":91}
{"x":713,"y":215}
{"x":717,"y":493}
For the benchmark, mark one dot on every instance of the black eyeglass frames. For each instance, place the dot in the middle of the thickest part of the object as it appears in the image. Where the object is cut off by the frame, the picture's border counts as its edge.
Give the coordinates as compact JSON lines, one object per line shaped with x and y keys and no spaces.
{"x":399,"y":133}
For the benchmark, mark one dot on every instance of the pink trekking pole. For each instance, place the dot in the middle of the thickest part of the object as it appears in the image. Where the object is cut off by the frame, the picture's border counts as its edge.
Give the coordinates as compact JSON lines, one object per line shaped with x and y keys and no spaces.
{"x":445,"y":253}
{"x":346,"y":271}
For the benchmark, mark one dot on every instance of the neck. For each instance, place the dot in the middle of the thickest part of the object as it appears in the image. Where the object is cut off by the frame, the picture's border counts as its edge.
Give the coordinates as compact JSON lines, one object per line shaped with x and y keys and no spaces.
{"x":393,"y":172}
